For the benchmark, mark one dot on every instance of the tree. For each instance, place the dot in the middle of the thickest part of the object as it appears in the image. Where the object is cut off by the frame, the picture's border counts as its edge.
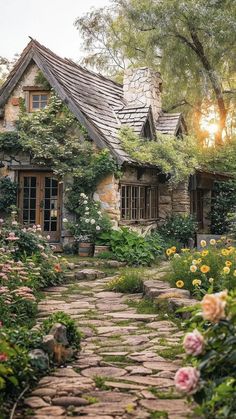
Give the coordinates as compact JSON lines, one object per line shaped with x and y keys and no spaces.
{"x":5,"y":67}
{"x":196,"y":38}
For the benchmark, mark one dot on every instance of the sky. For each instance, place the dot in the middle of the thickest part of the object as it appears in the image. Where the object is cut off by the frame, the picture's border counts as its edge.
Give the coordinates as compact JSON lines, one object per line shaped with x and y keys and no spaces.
{"x":51,"y":22}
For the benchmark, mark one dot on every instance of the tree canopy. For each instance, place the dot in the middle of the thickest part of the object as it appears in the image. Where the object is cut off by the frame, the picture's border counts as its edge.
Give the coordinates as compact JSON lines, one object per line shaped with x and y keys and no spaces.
{"x":192,"y":43}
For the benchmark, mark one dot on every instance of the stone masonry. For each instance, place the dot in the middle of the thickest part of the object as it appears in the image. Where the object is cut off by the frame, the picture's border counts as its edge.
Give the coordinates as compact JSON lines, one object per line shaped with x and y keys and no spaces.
{"x":142,"y":86}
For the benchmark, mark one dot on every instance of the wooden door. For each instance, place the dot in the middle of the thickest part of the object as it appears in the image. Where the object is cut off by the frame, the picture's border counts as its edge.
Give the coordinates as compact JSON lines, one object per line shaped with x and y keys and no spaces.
{"x":40,"y":202}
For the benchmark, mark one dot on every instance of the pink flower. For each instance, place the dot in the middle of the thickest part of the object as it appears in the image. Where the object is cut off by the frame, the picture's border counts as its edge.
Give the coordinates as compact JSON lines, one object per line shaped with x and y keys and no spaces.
{"x":12,"y":237}
{"x":3,"y":357}
{"x":193,"y":343}
{"x":187,"y":380}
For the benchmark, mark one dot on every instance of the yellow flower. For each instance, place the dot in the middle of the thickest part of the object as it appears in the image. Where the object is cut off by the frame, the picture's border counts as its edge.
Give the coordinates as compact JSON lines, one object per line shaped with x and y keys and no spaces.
{"x":211,"y":280}
{"x":185,"y":249}
{"x":226,"y":270}
{"x":194,"y":262}
{"x":173,"y":248}
{"x":224,"y":252}
{"x":205,"y":253}
{"x":234,"y":274}
{"x":193,"y":268}
{"x":199,"y":261}
{"x":228,"y":263}
{"x":179,"y":284}
{"x":203,"y":243}
{"x":204,"y":269}
{"x":169,"y":252}
{"x":196,"y":282}
{"x":213,"y":242}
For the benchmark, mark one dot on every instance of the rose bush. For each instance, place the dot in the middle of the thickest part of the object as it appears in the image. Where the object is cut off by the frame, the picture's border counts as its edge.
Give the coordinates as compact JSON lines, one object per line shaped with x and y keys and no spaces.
{"x":210,"y":269}
{"x":210,"y":345}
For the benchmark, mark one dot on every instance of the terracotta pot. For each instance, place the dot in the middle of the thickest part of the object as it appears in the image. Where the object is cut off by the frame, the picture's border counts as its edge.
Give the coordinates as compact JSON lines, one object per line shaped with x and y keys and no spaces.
{"x":86,"y":249}
{"x":100,"y":249}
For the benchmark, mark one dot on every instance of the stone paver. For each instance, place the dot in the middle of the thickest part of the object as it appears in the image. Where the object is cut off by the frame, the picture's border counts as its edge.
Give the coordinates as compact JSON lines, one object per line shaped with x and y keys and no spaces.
{"x":122,"y":370}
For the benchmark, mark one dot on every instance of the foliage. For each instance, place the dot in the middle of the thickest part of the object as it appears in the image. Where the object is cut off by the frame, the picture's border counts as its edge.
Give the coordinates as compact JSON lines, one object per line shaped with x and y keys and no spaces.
{"x":174,"y":156}
{"x":179,"y":227}
{"x":42,"y":81}
{"x":8,"y":192}
{"x":10,"y":142}
{"x":215,"y":360}
{"x":223,"y":203}
{"x":197,"y":35}
{"x":207,"y":270}
{"x":129,"y":282}
{"x":73,"y":334}
{"x":91,"y":222}
{"x":128,"y":246}
{"x":157,"y":242}
{"x":54,"y":138}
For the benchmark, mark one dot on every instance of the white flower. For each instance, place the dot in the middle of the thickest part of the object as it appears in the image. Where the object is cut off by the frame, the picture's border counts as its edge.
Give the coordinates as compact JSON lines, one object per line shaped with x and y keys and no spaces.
{"x":99,"y":213}
{"x":86,"y":208}
{"x":14,"y":223}
{"x":92,"y":221}
{"x":86,"y":213}
{"x":87,"y":220}
{"x":65,"y":220}
{"x":83,"y":195}
{"x":98,"y":228}
{"x":85,"y":202}
{"x":48,"y":237}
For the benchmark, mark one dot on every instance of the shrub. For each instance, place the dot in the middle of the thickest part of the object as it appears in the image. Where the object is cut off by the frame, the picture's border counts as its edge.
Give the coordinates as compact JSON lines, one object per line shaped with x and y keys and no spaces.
{"x":208,"y":270}
{"x":73,"y":333}
{"x":223,"y":203}
{"x":179,"y":228}
{"x":211,"y":351}
{"x":130,"y":282}
{"x":8,"y":191}
{"x":128,"y":246}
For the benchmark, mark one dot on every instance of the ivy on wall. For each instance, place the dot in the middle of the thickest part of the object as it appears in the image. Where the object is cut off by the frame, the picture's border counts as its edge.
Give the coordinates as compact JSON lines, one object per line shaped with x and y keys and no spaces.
{"x":54,"y":138}
{"x":178,"y":157}
{"x":8,"y":193}
{"x":223,"y":203}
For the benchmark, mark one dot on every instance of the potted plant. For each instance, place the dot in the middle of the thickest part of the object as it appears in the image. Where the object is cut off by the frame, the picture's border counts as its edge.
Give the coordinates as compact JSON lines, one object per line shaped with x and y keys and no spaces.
{"x":90,"y":224}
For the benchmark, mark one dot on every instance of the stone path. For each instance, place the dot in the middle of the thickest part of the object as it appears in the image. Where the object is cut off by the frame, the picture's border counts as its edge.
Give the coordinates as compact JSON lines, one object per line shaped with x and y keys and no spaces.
{"x":122,"y":371}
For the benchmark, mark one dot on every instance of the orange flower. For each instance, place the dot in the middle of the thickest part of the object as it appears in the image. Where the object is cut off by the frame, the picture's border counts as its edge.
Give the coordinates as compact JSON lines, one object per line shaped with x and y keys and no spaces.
{"x":204,"y":269}
{"x":57,"y":268}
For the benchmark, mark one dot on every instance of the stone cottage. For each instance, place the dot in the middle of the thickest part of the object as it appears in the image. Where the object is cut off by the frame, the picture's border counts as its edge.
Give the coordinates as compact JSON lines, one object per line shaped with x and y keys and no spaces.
{"x":142,"y":196}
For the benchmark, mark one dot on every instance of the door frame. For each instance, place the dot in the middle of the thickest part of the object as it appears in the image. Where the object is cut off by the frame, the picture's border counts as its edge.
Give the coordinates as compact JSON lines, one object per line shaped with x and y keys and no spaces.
{"x":39,"y":216}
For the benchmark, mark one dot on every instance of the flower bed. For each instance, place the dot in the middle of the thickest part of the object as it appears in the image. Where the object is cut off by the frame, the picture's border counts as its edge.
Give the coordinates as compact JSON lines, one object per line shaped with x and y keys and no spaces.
{"x":211,"y":269}
{"x":27,"y":264}
{"x":210,"y":377}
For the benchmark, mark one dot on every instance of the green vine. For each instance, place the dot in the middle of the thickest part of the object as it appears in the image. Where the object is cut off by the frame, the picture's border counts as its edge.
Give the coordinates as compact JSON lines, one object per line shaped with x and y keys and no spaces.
{"x":54,"y":138}
{"x":177,"y":157}
{"x":41,"y":80}
{"x":8,"y":192}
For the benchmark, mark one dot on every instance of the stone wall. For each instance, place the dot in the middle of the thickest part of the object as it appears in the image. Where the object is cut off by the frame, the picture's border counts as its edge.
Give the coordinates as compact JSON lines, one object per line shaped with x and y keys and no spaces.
{"x":181,"y":199}
{"x":143,"y":86}
{"x":11,"y":109}
{"x":108,"y":195}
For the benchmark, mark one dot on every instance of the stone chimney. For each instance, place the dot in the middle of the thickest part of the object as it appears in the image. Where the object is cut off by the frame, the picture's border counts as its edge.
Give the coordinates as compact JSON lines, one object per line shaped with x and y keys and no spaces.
{"x":143,"y":86}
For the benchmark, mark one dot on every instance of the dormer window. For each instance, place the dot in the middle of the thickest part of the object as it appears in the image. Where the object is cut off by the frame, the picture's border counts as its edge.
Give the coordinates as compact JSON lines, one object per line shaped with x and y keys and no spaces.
{"x":148,"y":133}
{"x":38,"y":100}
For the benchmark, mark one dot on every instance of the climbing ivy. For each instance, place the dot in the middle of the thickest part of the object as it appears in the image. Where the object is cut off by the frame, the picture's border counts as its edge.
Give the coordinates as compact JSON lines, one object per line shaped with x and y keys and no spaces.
{"x":54,"y":138}
{"x":8,"y":192}
{"x":176,"y":156}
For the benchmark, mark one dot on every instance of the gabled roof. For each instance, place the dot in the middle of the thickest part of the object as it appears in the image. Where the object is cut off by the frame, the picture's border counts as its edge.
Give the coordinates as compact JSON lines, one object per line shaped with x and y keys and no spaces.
{"x":95,"y":100}
{"x":170,"y":123}
{"x":134,"y":116}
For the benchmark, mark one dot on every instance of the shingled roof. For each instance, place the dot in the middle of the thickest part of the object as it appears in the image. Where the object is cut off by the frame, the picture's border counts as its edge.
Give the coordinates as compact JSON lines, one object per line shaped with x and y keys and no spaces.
{"x":169,"y":123}
{"x":95,"y":100}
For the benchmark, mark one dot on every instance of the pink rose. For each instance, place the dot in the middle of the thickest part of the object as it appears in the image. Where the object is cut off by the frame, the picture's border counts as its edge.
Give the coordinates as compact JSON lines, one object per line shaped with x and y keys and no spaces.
{"x":3,"y":357}
{"x":193,"y":343}
{"x":187,"y":379}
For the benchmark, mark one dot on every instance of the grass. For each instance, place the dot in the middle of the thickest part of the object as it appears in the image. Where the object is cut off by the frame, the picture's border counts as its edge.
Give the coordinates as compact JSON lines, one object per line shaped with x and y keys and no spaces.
{"x":122,"y":360}
{"x":171,"y":352}
{"x":100,"y":382}
{"x":144,"y":306}
{"x":164,"y":394}
{"x":158,"y":414}
{"x":130,"y":281}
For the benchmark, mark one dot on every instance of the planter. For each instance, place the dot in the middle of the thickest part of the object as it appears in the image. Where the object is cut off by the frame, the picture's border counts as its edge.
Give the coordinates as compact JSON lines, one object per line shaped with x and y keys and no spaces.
{"x":100,"y":249}
{"x":86,"y":249}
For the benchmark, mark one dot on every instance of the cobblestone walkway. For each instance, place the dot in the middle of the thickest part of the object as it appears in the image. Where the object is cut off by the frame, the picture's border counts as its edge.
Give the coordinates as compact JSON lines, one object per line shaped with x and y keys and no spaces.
{"x":120,"y":371}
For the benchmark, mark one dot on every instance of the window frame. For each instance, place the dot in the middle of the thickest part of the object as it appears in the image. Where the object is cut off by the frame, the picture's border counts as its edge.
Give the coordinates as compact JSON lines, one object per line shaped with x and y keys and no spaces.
{"x":139,"y":202}
{"x":37,"y":93}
